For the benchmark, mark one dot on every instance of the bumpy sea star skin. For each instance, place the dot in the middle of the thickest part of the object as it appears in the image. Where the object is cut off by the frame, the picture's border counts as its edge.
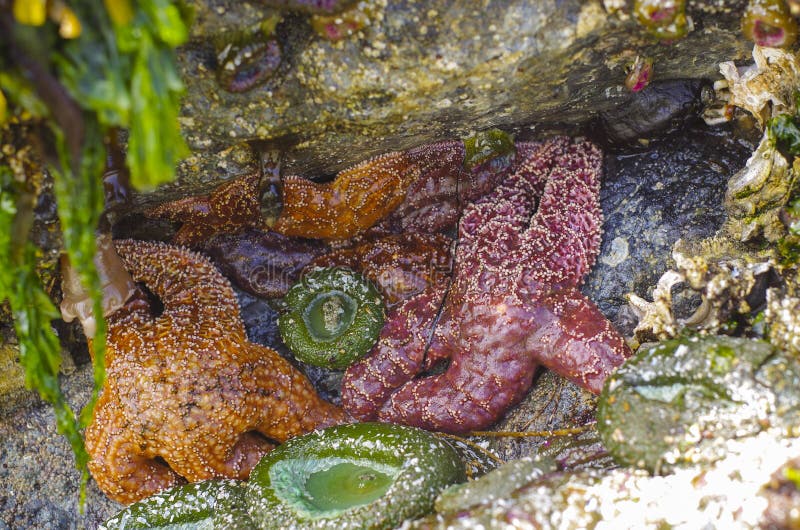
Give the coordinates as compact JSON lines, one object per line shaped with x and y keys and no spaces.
{"x":231,"y":207}
{"x":401,"y":265}
{"x":421,"y":190}
{"x":354,"y":201}
{"x":435,"y":200}
{"x":265,"y":264}
{"x":514,"y":303}
{"x":186,"y":391}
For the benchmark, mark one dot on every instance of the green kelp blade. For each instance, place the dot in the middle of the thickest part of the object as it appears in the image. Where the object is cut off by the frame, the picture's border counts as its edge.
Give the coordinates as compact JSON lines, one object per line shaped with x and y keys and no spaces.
{"x":33,"y":311}
{"x":127,"y":73}
{"x":79,"y":197}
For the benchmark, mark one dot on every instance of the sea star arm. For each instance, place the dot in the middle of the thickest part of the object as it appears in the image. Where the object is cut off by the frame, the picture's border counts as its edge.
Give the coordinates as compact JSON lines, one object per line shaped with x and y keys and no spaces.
{"x":183,"y":281}
{"x":490,"y":372}
{"x":400,"y":265}
{"x":285,"y":402}
{"x":563,"y":240}
{"x":395,"y":359}
{"x":358,"y":198}
{"x":118,"y":464}
{"x":231,"y":207}
{"x":574,"y":339}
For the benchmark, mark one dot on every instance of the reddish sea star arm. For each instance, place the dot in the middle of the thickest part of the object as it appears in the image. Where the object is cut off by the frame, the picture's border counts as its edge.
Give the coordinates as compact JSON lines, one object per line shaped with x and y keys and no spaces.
{"x":491,"y":230}
{"x":574,"y":339}
{"x":431,"y":203}
{"x":231,"y":207}
{"x":395,"y":359}
{"x":563,"y":240}
{"x":489,"y":372}
{"x":400,"y":265}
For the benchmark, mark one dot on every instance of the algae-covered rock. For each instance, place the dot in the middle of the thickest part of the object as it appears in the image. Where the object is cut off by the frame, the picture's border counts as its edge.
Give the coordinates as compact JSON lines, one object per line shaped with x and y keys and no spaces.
{"x":420,"y":71}
{"x":678,"y":402}
{"x":12,"y":376}
{"x":736,"y":492}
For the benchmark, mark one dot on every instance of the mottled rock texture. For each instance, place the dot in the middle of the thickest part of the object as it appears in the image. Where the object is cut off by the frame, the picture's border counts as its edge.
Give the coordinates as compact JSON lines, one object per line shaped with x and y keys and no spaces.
{"x":423,"y":71}
{"x":427,"y":70}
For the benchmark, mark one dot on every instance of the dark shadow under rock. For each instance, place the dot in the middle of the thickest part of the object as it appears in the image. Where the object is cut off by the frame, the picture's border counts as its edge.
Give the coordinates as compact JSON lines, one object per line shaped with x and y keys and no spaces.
{"x":651,"y":198}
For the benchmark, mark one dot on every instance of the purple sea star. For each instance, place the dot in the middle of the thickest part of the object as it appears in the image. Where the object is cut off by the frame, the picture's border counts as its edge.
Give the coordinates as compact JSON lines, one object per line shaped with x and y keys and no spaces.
{"x":514,"y":303}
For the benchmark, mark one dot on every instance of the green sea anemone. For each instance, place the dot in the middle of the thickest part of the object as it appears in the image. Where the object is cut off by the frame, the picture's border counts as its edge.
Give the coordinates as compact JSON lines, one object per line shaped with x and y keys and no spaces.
{"x":664,"y":19}
{"x":364,"y":475}
{"x":215,"y":504}
{"x":335,"y":316}
{"x":487,"y":145}
{"x":769,"y":23}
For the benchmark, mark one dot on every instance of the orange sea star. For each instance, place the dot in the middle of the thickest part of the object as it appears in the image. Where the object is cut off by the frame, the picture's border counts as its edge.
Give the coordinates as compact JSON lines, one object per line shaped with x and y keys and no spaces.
{"x":230,"y":207}
{"x":359,"y":197}
{"x":187,"y":395}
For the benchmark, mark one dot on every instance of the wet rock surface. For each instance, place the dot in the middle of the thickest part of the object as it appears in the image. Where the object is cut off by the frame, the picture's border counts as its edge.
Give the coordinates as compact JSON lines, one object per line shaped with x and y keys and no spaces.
{"x":730,"y":493}
{"x":40,"y":482}
{"x":652,"y":197}
{"x":421,"y":71}
{"x":676,"y":403}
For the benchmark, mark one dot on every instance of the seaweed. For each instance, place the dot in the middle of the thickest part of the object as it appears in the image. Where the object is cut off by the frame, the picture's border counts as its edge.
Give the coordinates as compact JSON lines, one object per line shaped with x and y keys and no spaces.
{"x":80,"y":70}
